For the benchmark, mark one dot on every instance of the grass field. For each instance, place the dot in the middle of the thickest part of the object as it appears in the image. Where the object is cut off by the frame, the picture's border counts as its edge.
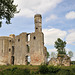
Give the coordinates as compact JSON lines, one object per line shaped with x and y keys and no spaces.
{"x":37,"y":70}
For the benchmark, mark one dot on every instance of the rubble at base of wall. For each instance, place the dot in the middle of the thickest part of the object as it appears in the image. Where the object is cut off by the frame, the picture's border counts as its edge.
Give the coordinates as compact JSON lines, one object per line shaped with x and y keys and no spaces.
{"x":65,"y":61}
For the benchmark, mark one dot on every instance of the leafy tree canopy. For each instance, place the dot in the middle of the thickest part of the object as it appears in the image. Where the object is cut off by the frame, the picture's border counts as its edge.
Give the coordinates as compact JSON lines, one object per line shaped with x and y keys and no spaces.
{"x":48,"y":54}
{"x":53,"y":55}
{"x":70,"y":53}
{"x":60,"y":46}
{"x":7,"y":10}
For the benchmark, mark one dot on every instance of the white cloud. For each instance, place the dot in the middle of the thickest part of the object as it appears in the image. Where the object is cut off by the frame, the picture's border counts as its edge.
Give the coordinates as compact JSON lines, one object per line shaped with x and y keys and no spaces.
{"x":52,"y":50}
{"x":51,"y":17}
{"x":51,"y":35}
{"x":71,"y":37}
{"x":71,"y":31}
{"x":70,"y":15}
{"x":32,"y":7}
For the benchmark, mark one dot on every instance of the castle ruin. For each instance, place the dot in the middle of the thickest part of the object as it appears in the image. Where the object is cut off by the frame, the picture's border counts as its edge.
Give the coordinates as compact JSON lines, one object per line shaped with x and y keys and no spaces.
{"x":61,"y":60}
{"x":16,"y":49}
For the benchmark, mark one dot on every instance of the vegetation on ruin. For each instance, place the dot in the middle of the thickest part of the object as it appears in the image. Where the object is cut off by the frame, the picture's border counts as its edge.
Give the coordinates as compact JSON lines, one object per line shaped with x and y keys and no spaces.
{"x":53,"y":55}
{"x":60,"y":46}
{"x":70,"y":53}
{"x":7,"y":10}
{"x":48,"y":54}
{"x":37,"y":70}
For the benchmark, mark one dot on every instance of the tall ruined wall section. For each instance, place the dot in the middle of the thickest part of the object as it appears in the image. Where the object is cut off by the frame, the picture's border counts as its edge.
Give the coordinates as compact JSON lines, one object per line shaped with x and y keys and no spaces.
{"x":37,"y":52}
{"x":21,"y":49}
{"x":11,"y":48}
{"x":37,"y":48}
{"x":16,"y":49}
{"x":5,"y":50}
{"x":4,"y":44}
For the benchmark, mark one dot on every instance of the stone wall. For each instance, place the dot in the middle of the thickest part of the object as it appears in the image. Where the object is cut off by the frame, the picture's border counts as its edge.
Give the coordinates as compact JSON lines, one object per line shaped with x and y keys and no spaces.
{"x":37,"y":48}
{"x":16,"y":49}
{"x":4,"y":50}
{"x":65,"y":61}
{"x":21,"y":49}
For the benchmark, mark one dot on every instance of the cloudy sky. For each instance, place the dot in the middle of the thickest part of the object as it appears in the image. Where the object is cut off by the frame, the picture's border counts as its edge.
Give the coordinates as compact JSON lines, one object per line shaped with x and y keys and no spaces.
{"x":58,"y":21}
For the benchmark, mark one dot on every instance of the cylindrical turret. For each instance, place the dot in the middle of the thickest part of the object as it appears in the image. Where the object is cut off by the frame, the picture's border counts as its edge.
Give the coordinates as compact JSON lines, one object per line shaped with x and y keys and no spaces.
{"x":38,"y":23}
{"x":12,"y":35}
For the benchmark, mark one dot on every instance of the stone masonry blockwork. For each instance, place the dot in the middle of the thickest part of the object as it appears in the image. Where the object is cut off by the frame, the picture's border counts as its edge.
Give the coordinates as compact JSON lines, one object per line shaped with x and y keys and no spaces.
{"x":16,"y":49}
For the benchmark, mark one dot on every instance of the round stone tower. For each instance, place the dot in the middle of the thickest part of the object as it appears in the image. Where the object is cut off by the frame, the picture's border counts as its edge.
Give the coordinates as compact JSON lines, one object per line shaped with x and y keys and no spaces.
{"x":38,"y":23}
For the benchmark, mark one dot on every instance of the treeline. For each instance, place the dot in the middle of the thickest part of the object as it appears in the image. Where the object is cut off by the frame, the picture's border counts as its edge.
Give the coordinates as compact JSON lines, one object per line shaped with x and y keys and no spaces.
{"x":73,"y":62}
{"x":41,"y":70}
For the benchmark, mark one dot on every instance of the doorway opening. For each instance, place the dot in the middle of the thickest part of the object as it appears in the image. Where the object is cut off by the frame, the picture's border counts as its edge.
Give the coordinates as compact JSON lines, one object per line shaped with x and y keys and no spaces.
{"x":27,"y":60}
{"x":12,"y":60}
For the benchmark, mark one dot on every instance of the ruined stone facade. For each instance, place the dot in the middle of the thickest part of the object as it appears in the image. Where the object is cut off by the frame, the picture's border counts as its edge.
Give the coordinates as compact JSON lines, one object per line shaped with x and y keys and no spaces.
{"x":16,"y":49}
{"x":60,"y":60}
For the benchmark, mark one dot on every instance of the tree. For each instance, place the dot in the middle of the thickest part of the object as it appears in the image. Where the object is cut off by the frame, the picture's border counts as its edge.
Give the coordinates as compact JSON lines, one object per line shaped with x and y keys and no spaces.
{"x":70,"y":53}
{"x":60,"y":46}
{"x":48,"y":54}
{"x":53,"y":55}
{"x":7,"y":10}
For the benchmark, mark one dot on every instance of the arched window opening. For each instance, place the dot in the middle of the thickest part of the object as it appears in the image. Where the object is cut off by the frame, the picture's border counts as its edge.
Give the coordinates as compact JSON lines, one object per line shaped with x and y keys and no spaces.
{"x":34,"y":37}
{"x":27,"y":60}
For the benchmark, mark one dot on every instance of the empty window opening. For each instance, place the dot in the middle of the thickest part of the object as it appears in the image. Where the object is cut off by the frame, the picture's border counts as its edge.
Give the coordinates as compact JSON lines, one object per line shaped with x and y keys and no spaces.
{"x":12,"y":60}
{"x":9,"y":40}
{"x":12,"y":50}
{"x":9,"y":50}
{"x":36,"y":28}
{"x":18,"y":40}
{"x":27,"y":60}
{"x":27,"y":48}
{"x":29,"y":37}
{"x":34,"y":37}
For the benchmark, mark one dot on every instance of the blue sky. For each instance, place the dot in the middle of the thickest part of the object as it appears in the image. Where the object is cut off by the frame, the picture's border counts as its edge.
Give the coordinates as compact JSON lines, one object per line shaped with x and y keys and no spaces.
{"x":58,"y":21}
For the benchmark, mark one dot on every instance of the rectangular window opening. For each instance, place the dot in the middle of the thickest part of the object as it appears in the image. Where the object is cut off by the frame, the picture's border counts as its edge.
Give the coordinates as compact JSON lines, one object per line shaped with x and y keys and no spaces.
{"x":27,"y":49}
{"x":28,"y":37}
{"x":12,"y":50}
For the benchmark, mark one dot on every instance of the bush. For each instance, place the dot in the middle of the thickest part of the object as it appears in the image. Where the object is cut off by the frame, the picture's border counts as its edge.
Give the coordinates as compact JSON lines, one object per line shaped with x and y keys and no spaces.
{"x":65,"y":72}
{"x":1,"y":73}
{"x":53,"y":69}
{"x":72,"y":69}
{"x":39,"y":70}
{"x":43,"y":69}
{"x":21,"y":72}
{"x":15,"y":71}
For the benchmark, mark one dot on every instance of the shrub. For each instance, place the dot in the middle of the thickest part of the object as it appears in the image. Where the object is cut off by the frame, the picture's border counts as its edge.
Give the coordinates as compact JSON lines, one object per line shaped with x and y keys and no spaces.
{"x":21,"y":72}
{"x":72,"y":69}
{"x":43,"y":69}
{"x":1,"y":73}
{"x":53,"y":69}
{"x":65,"y":72}
{"x":7,"y":72}
{"x":15,"y":71}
